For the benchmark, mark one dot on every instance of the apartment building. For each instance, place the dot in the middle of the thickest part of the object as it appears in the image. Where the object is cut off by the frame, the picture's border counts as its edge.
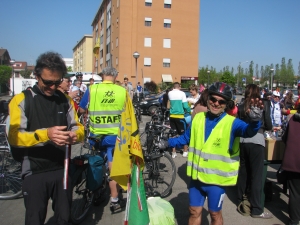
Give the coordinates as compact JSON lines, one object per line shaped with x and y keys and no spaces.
{"x":162,"y":34}
{"x":83,"y":54}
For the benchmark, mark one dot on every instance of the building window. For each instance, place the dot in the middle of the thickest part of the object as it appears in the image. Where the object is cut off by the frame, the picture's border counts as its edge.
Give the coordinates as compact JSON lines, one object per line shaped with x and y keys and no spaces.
{"x":166,"y":62}
{"x":108,"y":15}
{"x":108,"y":48}
{"x":147,"y":61}
{"x":117,"y":42}
{"x":117,"y":61}
{"x":118,"y":3}
{"x":148,"y":21}
{"x":167,"y":23}
{"x":148,"y":2}
{"x":147,"y":42}
{"x":167,"y":4}
{"x":101,"y":54}
{"x":108,"y":32}
{"x":167,"y":43}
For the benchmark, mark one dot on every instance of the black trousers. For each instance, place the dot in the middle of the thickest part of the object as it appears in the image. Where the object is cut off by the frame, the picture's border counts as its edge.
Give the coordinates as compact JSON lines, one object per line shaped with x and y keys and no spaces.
{"x":294,"y":196}
{"x":251,"y":175}
{"x":38,"y":189}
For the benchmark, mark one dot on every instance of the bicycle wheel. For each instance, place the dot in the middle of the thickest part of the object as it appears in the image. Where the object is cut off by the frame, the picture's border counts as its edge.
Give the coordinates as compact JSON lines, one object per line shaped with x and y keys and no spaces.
{"x":82,"y":198}
{"x":160,"y":174}
{"x":10,"y":176}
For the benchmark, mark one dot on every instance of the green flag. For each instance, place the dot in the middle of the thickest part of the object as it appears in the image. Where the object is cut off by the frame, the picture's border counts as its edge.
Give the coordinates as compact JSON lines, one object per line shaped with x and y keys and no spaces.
{"x":136,"y":208}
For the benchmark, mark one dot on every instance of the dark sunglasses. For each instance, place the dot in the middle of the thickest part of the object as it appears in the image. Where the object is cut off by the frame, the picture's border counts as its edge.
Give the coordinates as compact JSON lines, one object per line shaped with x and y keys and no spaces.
{"x":221,"y":102}
{"x":51,"y":82}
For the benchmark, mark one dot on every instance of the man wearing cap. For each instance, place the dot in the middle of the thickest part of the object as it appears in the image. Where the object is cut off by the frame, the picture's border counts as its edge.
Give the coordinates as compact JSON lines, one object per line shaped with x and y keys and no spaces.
{"x":276,"y":111}
{"x":79,"y":77}
{"x":105,"y":102}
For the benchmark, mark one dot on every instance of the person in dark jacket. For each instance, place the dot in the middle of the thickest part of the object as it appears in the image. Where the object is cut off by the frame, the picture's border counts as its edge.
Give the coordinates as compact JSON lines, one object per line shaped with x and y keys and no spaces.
{"x":42,"y":122}
{"x":252,"y":155}
{"x":291,"y":164}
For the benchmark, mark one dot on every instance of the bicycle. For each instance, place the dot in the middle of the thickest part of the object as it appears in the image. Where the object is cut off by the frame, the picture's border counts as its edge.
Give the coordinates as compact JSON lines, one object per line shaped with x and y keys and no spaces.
{"x":83,"y":198}
{"x":160,"y":171}
{"x":10,"y":170}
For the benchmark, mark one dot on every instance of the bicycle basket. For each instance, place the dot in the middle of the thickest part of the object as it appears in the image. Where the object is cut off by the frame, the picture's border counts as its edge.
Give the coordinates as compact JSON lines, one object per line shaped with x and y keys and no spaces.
{"x":95,"y":171}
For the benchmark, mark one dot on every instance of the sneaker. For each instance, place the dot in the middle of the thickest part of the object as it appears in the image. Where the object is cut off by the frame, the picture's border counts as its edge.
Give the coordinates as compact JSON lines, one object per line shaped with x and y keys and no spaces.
{"x":185,"y":154}
{"x":117,"y":206}
{"x":264,"y":215}
{"x":174,"y":154}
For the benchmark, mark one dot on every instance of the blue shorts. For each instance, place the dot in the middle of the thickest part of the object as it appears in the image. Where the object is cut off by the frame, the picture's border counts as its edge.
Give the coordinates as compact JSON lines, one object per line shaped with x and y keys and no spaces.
{"x":198,"y":192}
{"x":106,"y":145}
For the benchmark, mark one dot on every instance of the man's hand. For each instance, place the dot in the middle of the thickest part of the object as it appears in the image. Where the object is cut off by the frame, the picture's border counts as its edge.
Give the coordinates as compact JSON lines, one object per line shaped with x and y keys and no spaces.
{"x":163,"y":144}
{"x":73,"y":94}
{"x":59,"y":135}
{"x":73,"y":137}
{"x":256,"y":109}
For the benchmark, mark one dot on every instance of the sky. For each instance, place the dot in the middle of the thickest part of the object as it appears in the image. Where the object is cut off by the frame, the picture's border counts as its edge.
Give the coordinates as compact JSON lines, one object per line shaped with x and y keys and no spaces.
{"x":231,"y":31}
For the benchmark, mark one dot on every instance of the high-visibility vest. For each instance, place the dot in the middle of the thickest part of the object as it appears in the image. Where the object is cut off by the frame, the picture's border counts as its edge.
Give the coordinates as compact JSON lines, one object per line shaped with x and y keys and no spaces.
{"x":211,"y":161}
{"x":106,"y":104}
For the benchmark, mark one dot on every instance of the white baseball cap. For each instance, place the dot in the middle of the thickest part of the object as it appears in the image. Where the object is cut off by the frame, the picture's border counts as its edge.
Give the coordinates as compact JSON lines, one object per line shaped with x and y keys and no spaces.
{"x":276,"y":93}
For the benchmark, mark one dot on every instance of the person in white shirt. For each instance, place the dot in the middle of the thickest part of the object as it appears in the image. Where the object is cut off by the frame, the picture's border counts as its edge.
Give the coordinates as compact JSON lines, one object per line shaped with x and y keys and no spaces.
{"x":194,"y":97}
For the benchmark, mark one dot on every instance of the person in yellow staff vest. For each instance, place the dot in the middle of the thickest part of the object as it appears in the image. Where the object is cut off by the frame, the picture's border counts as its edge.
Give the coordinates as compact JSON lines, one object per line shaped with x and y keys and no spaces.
{"x":213,"y":157}
{"x":105,"y":102}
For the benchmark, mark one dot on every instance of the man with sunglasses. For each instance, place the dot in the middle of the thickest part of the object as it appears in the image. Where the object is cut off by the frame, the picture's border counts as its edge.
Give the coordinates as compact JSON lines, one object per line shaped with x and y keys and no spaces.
{"x":42,"y":122}
{"x":213,"y":158}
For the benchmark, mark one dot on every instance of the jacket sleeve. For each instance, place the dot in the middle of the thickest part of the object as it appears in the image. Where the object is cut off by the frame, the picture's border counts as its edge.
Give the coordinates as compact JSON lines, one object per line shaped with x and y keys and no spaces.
{"x":73,"y":122}
{"x":182,"y":140}
{"x":17,"y":135}
{"x":267,"y":116}
{"x":245,"y":130}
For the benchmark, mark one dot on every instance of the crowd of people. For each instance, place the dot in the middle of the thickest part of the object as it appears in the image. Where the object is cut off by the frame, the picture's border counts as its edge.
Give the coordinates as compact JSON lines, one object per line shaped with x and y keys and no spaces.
{"x":223,"y":144}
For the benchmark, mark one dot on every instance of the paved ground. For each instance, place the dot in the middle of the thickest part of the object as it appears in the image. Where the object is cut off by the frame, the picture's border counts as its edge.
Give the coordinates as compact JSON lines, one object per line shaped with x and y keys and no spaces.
{"x":12,"y":211}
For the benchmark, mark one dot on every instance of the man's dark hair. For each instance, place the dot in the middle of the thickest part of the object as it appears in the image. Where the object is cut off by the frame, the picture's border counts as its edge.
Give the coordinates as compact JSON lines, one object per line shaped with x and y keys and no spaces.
{"x":125,"y":78}
{"x":91,"y":79}
{"x":52,"y":61}
{"x":176,"y":85}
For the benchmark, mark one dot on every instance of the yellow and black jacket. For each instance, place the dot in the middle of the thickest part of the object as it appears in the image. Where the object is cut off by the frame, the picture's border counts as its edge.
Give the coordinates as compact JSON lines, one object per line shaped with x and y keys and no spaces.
{"x":28,"y":129}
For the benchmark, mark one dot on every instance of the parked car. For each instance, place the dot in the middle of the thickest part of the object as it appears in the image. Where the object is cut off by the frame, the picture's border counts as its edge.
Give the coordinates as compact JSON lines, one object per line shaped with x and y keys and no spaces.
{"x":151,"y":102}
{"x":239,"y":91}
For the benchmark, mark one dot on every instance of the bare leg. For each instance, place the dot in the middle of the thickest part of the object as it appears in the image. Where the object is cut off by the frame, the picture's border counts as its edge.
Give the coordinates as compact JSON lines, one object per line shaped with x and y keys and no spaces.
{"x":113,"y":185}
{"x":185,"y":148}
{"x":216,"y":218}
{"x":195,"y":215}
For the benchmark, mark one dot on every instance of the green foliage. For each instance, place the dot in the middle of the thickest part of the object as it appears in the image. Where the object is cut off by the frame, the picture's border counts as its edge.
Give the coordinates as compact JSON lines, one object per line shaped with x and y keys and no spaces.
{"x":70,"y":69}
{"x":187,"y":84}
{"x":151,"y":86}
{"x":228,"y":78}
{"x":26,"y":73}
{"x":5,"y":74}
{"x":163,"y":86}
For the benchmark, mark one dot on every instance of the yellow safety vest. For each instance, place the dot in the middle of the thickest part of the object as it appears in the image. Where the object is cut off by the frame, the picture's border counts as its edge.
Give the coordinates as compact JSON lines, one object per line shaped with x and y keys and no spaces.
{"x":106,"y":104}
{"x":212,"y":162}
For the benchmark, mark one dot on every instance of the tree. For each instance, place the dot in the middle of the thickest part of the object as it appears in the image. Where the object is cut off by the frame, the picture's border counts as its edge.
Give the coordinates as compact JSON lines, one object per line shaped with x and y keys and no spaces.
{"x":26,"y":73}
{"x":5,"y":74}
{"x":151,"y":86}
{"x":70,"y":69}
{"x":228,"y":78}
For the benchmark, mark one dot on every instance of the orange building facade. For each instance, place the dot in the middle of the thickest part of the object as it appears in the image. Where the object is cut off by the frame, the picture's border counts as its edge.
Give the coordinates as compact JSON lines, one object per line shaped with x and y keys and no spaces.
{"x":164,"y":33}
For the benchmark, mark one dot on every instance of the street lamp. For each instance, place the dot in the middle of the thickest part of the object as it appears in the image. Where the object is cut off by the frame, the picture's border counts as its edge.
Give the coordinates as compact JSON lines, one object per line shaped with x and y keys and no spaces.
{"x":240,"y":63}
{"x":136,"y":55}
{"x":272,"y":70}
{"x":12,"y":62}
{"x":208,"y":72}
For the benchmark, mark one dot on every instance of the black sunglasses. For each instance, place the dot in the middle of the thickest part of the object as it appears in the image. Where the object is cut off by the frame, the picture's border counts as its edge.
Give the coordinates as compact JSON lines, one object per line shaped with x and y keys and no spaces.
{"x":221,"y":102}
{"x":51,"y":82}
